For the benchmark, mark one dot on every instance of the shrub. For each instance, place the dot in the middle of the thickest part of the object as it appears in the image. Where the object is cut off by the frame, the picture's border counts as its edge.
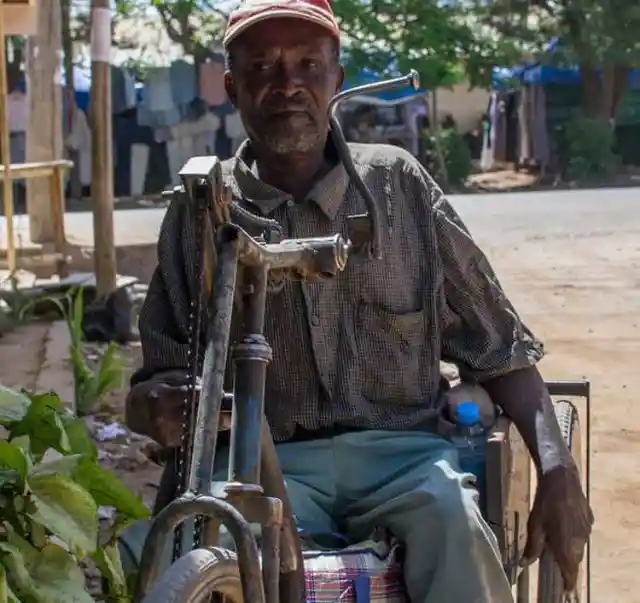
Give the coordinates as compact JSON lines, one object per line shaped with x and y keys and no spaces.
{"x":456,"y":155}
{"x":91,"y":383}
{"x":51,"y":486}
{"x":587,"y":148}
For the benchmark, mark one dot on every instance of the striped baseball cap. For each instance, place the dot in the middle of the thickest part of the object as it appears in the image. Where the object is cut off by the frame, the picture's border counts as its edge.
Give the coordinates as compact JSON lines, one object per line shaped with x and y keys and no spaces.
{"x":251,"y":12}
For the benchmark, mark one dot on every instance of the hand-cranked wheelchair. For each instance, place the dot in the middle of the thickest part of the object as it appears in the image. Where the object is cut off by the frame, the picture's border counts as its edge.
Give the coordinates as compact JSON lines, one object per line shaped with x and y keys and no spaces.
{"x":236,"y":269}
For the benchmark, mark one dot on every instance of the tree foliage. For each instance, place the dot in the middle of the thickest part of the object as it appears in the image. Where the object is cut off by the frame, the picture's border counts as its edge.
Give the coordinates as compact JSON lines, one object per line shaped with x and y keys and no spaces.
{"x":194,"y":25}
{"x":599,"y":36}
{"x":442,"y":41}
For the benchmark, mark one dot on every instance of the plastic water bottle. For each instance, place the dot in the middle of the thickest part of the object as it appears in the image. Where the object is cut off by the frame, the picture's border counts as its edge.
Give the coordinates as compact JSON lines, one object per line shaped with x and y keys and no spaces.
{"x":469,"y":437}
{"x":468,"y":422}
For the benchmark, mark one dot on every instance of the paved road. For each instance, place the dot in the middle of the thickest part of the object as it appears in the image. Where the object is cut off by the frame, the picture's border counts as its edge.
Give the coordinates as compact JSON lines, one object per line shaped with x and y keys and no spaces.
{"x":513,"y":216}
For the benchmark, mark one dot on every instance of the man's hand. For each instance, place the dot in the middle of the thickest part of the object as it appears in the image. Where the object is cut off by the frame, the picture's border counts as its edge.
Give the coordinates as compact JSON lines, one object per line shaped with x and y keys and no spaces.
{"x":561,"y":520}
{"x":156,"y":407}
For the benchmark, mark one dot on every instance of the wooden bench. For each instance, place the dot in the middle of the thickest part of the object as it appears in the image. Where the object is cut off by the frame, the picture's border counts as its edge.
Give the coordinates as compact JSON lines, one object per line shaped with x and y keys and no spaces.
{"x":54,"y":170}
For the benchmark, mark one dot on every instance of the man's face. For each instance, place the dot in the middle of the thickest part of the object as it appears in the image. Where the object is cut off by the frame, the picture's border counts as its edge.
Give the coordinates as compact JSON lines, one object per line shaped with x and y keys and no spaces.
{"x":283,"y":75}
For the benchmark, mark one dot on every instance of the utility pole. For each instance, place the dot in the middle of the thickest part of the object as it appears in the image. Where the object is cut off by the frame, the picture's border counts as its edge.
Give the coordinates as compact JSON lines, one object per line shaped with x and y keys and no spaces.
{"x":102,"y":148}
{"x":44,"y":128}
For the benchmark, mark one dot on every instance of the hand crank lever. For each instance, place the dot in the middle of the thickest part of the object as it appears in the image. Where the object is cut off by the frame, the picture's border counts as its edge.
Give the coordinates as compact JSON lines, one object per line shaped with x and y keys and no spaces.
{"x":365,"y":228}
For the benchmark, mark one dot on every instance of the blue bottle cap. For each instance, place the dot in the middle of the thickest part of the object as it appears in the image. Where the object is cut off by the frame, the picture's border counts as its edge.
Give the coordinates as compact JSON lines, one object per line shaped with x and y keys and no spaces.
{"x":467,"y":414}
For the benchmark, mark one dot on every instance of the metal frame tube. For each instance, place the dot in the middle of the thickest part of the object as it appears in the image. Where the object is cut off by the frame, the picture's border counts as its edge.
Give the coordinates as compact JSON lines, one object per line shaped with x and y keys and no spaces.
{"x":208,"y":414}
{"x":250,"y":355}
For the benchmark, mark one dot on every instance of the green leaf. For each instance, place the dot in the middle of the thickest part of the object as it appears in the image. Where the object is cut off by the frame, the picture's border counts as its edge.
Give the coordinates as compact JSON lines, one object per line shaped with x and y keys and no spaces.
{"x":79,"y":439}
{"x":48,"y":399}
{"x":4,"y":586}
{"x":18,"y":556}
{"x":108,"y":491}
{"x":48,"y":576}
{"x":108,"y":561}
{"x":12,"y":457}
{"x":58,"y":578}
{"x":62,"y":465}
{"x":23,"y":443}
{"x":6,"y":594}
{"x":78,"y":311}
{"x":43,"y":425}
{"x":109,"y":371}
{"x":13,"y":405}
{"x":67,"y":510}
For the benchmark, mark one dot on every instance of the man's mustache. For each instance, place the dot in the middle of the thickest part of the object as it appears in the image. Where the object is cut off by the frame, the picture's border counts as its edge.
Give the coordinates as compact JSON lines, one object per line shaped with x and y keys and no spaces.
{"x":283,"y":105}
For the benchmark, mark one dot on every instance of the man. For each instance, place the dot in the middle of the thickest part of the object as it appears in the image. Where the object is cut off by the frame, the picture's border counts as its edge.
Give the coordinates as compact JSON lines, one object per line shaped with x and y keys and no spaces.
{"x":353,"y":389}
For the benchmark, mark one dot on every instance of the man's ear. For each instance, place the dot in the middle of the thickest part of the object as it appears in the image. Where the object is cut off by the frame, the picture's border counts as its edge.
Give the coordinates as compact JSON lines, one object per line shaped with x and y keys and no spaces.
{"x":230,"y":87}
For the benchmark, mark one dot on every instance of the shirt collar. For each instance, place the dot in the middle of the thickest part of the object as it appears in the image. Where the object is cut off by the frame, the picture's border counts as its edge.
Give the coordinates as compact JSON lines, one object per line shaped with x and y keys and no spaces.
{"x":327,"y":193}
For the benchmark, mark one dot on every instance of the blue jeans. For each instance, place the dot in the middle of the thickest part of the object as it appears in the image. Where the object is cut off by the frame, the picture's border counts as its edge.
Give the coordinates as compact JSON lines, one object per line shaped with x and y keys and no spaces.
{"x":411,"y":484}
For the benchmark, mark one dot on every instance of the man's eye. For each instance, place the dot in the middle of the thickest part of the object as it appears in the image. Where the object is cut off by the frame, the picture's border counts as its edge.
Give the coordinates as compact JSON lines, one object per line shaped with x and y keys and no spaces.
{"x":262,"y":66}
{"x":310,"y":63}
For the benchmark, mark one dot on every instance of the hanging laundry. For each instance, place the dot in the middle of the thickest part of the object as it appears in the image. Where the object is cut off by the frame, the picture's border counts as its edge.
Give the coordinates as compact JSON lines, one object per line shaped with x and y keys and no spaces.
{"x":211,"y":82}
{"x":79,"y":140}
{"x":184,"y":84}
{"x":158,"y":95}
{"x":17,"y":111}
{"x":139,"y":165}
{"x":123,"y":90}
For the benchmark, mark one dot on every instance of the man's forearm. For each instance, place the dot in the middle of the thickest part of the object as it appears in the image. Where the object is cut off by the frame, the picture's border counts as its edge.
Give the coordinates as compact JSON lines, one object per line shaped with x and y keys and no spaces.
{"x":524,"y":398}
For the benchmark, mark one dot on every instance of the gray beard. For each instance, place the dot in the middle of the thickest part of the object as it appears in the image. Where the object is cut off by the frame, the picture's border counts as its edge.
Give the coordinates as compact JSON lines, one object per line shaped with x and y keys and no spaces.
{"x":285,"y":139}
{"x":297,"y":142}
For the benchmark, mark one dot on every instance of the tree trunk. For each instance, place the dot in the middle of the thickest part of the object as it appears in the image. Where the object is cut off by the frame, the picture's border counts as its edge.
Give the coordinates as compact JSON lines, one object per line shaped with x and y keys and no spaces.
{"x":590,"y":90}
{"x":620,"y":83}
{"x":44,"y":131}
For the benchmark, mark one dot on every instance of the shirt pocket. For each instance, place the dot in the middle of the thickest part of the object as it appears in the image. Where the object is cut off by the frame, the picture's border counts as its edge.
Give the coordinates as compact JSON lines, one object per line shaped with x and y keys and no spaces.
{"x":393,"y":354}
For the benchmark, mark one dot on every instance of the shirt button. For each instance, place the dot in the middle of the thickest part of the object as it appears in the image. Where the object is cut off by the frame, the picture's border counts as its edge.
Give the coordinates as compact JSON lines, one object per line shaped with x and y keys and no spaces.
{"x":315,"y":321}
{"x":290,"y":203}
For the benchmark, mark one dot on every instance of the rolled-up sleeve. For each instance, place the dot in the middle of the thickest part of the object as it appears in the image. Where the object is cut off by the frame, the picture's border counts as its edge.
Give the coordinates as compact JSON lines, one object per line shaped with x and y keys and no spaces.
{"x":164,"y":317}
{"x":481,"y":330}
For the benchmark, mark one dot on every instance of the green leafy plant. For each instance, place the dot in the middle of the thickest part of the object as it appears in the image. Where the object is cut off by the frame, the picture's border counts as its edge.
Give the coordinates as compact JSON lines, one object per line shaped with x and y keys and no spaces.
{"x":456,"y":155}
{"x":51,"y":486}
{"x":91,"y":382}
{"x":587,"y":148}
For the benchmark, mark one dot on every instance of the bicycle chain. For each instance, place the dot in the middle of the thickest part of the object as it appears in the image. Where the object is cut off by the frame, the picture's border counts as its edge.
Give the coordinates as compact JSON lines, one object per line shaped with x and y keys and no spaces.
{"x":183,"y":455}
{"x":201,"y":212}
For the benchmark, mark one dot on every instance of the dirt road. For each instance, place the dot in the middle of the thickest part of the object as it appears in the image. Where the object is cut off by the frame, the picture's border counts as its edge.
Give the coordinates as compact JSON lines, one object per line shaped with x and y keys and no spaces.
{"x":571,"y":264}
{"x":570,"y":261}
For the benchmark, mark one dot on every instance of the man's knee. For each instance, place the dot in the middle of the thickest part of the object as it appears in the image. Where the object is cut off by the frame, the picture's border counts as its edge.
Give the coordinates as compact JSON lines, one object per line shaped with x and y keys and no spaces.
{"x":456,"y":506}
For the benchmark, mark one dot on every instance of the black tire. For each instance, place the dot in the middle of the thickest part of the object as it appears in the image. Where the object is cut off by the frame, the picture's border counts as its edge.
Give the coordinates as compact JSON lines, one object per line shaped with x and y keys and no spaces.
{"x":198,"y":575}
{"x":550,"y":585}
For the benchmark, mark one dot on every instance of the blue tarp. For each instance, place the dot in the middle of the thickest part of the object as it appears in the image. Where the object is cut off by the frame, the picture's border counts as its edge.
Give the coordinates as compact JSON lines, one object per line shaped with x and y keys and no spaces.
{"x":538,"y":73}
{"x":546,"y":74}
{"x":535,"y":74}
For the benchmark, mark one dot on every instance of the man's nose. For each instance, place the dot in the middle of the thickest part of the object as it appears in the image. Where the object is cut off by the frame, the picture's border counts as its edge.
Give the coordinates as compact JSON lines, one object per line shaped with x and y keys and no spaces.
{"x":287,"y":81}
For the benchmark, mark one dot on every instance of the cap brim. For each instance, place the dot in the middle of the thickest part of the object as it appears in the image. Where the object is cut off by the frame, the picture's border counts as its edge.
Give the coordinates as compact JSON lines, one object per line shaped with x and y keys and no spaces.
{"x":235,"y":30}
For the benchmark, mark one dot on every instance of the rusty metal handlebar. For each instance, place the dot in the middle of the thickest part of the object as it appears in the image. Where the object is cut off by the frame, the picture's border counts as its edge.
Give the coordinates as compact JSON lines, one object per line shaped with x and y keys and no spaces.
{"x":312,"y":258}
{"x":375,"y":227}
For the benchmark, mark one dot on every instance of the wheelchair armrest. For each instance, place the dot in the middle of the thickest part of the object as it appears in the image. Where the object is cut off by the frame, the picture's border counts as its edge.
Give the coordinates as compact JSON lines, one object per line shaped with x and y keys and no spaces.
{"x":508,"y":491}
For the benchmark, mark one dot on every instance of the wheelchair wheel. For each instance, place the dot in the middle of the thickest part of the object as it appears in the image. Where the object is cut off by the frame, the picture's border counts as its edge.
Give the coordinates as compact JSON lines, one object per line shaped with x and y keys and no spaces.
{"x":550,"y":584}
{"x":200,"y":576}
